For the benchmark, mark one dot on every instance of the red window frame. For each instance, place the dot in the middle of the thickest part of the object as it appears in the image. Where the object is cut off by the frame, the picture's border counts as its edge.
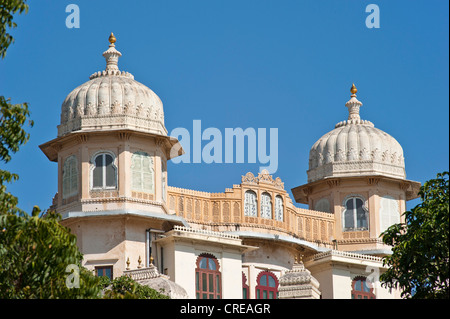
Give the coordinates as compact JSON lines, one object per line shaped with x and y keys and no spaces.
{"x":361,"y":290}
{"x":106,"y":271}
{"x":208,"y":279}
{"x":245,"y":288}
{"x":266,"y":288}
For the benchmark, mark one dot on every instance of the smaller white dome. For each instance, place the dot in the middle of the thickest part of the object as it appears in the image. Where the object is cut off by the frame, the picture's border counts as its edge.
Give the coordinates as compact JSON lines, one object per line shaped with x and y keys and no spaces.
{"x":111,"y":100}
{"x":354,"y":148}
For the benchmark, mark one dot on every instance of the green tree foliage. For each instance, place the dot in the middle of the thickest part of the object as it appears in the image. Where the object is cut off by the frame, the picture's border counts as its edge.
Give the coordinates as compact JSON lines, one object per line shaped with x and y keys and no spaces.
{"x":34,"y":254}
{"x":34,"y":250}
{"x":7,"y":9}
{"x":419,"y":264}
{"x":126,"y":288}
{"x":12,"y":136}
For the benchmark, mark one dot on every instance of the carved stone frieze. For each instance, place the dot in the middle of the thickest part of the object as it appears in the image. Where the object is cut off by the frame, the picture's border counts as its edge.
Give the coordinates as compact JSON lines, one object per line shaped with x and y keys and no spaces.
{"x":263,"y":177}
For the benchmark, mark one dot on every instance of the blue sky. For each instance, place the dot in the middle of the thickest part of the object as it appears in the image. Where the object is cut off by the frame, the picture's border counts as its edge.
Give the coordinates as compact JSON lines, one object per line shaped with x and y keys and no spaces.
{"x":260,"y":64}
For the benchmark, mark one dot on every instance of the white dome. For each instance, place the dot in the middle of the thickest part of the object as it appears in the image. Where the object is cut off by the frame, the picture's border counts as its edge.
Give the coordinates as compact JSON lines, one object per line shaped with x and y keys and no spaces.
{"x":354,"y":148}
{"x":111,"y":100}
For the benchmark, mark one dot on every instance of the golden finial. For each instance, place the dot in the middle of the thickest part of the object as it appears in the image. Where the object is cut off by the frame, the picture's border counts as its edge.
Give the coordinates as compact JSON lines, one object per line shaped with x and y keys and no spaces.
{"x":128,"y":263}
{"x":151,"y":260}
{"x":139,"y":261}
{"x":112,"y":38}
{"x":353,"y":90}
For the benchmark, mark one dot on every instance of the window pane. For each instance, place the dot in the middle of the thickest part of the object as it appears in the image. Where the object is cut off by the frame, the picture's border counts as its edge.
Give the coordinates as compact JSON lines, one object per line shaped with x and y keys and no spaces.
{"x":358,"y":285}
{"x":266,"y":206}
{"x":204,"y":283}
{"x":361,"y":217}
{"x":73,"y":167}
{"x":108,"y":159}
{"x":197,"y":281}
{"x":349,"y":204}
{"x":217,"y":283}
{"x":104,"y":271}
{"x":359,"y":203}
{"x":250,"y":204}
{"x":258,"y":294}
{"x":365,"y":286}
{"x":264,"y":294}
{"x":205,"y":296}
{"x":348,"y":219}
{"x":271,"y":295}
{"x":202,"y":263}
{"x":212,"y":264}
{"x":137,"y":162}
{"x":211,"y":283}
{"x":263,"y":280}
{"x":271,"y":281}
{"x":137,"y":180}
{"x":73,"y":184}
{"x":97,"y":175}
{"x":108,"y":272}
{"x":147,"y":184}
{"x":145,"y":163}
{"x":279,"y":208}
{"x":244,"y":293}
{"x":99,"y":160}
{"x":65,"y":185}
{"x":110,"y":171}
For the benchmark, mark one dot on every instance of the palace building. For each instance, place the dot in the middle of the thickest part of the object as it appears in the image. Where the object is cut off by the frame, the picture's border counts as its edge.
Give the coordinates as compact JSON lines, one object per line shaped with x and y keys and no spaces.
{"x":249,"y":242}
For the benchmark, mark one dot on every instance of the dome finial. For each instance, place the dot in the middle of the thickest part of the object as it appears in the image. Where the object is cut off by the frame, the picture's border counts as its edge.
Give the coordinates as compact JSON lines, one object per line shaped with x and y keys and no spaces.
{"x":353,"y":106}
{"x":112,"y":39}
{"x":112,"y":55}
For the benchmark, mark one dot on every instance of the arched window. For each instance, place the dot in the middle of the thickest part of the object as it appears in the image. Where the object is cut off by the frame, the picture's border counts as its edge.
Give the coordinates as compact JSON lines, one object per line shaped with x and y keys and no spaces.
{"x":361,"y":289}
{"x":250,"y":204}
{"x":355,"y":214}
{"x":266,"y":205}
{"x":267,"y":286}
{"x":70,"y":177}
{"x":142,"y":172}
{"x":207,"y":278}
{"x":245,"y":287}
{"x":104,"y":174}
{"x":279,"y":208}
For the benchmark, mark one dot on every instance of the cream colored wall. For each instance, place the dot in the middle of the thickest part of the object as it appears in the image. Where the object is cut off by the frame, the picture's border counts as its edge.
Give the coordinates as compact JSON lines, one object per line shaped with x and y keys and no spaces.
{"x":184,"y":267}
{"x":371,"y":189}
{"x":342,"y":283}
{"x":102,"y":243}
{"x":180,"y":258}
{"x":270,"y":254}
{"x":122,"y":146}
{"x":111,"y":241}
{"x":231,"y":266}
{"x":335,"y":278}
{"x":325,"y":278}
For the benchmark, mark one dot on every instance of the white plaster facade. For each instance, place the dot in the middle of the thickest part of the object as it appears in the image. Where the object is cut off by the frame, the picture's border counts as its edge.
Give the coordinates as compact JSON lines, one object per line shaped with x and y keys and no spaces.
{"x":246,"y":250}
